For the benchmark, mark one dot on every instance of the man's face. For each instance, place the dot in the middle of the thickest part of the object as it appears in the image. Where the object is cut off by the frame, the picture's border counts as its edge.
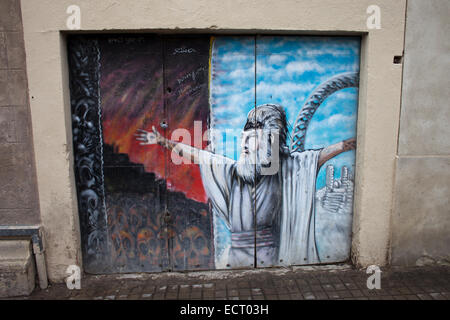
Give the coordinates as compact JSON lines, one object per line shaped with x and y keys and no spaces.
{"x":250,"y":142}
{"x":255,"y":153}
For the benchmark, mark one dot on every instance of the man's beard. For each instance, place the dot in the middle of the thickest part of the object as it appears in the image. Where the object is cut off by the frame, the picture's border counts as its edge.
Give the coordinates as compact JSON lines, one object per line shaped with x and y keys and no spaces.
{"x":249,"y":166}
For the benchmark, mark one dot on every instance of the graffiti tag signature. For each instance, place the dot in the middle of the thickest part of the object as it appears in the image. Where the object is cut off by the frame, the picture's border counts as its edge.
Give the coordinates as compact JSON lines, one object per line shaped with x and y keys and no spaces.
{"x":183,"y":50}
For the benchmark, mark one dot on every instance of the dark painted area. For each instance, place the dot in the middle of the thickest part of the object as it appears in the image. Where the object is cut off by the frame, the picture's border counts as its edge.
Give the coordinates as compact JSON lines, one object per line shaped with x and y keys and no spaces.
{"x":138,"y":212}
{"x":87,"y":146}
{"x":137,"y":224}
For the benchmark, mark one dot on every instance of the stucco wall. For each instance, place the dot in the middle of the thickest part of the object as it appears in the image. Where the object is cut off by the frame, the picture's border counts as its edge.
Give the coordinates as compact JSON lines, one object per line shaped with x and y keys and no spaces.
{"x":378,"y":113}
{"x":18,"y":192}
{"x":421,"y":217}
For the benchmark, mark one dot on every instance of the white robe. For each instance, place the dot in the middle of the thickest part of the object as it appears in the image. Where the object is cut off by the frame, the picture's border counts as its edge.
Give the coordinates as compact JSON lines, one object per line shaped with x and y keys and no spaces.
{"x":297,"y":177}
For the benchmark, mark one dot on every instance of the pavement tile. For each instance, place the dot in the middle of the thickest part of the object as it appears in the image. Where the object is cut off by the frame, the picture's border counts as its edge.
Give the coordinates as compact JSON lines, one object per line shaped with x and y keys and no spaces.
{"x":282,"y":290}
{"x":244,"y":292}
{"x":356,"y":293}
{"x":221,"y":294}
{"x":328,"y":287}
{"x":305,"y":289}
{"x":333,"y":294}
{"x":404,"y":290}
{"x":339,"y":286}
{"x":316,"y":287}
{"x":345,"y":294}
{"x":195,"y":295}
{"x":269,"y":291}
{"x":302,"y":282}
{"x":320,"y":295}
{"x":309,"y":296}
{"x":279,"y":283}
{"x":233,"y":293}
{"x":324,"y":279}
{"x":437,"y":296}
{"x":220,"y":286}
{"x":416,"y":289}
{"x":171,"y":295}
{"x":158,"y":296}
{"x":424,"y":296}
{"x":183,"y":295}
{"x":256,"y":291}
{"x":244,"y":285}
{"x":232,"y":285}
{"x":313,"y":281}
{"x":296,"y":296}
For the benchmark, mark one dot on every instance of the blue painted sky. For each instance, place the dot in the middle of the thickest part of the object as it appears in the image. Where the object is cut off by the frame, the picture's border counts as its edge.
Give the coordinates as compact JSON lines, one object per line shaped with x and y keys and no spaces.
{"x":288,"y":69}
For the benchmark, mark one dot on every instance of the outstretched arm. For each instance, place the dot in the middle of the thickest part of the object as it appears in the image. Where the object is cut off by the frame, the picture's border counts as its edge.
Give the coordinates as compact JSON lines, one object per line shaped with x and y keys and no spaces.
{"x":335,"y":149}
{"x":183,"y":150}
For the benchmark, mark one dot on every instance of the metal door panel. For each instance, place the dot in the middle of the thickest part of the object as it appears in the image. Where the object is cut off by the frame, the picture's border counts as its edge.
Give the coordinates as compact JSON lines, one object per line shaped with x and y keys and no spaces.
{"x":312,"y":222}
{"x":186,"y":71}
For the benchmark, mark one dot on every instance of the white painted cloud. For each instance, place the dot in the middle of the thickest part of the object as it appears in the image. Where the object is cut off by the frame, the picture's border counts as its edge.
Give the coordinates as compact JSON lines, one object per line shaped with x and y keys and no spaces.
{"x":283,"y":88}
{"x":301,"y":67}
{"x":335,"y":52}
{"x":243,"y":73}
{"x":235,"y":57}
{"x":276,"y":59}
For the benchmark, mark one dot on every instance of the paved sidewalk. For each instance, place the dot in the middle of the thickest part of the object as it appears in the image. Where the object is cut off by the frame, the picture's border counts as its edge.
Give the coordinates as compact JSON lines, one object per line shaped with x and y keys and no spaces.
{"x":297,"y":283}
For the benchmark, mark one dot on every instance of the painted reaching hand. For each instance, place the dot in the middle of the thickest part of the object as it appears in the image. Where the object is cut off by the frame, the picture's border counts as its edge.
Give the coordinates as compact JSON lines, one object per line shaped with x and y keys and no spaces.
{"x":149,"y":137}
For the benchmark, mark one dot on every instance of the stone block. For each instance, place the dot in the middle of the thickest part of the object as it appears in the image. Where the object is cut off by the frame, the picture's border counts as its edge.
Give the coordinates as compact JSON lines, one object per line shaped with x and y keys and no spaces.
{"x":10,"y":15}
{"x":421,"y":224}
{"x":16,"y":175}
{"x":17,"y":268}
{"x":13,"y":88}
{"x":17,"y":87}
{"x":3,"y":56}
{"x":15,"y":50}
{"x":14,"y":125}
{"x":16,"y":217}
{"x":7,"y":125}
{"x":4,"y":96}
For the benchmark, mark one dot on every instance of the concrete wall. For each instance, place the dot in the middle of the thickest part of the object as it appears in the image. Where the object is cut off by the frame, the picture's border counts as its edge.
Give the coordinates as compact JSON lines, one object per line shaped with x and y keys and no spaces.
{"x":421,"y":216}
{"x":18,"y":191}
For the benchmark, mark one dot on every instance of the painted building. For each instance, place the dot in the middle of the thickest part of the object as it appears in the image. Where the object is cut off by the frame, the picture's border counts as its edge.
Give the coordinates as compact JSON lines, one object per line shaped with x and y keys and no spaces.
{"x":126,"y":151}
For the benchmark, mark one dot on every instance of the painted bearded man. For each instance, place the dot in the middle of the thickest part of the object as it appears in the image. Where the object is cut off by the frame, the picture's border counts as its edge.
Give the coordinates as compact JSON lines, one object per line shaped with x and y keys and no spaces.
{"x":273,"y":207}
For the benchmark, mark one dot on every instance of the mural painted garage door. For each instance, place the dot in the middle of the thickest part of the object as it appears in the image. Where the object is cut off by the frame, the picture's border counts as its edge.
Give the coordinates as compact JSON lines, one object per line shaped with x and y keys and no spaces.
{"x":201,"y":152}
